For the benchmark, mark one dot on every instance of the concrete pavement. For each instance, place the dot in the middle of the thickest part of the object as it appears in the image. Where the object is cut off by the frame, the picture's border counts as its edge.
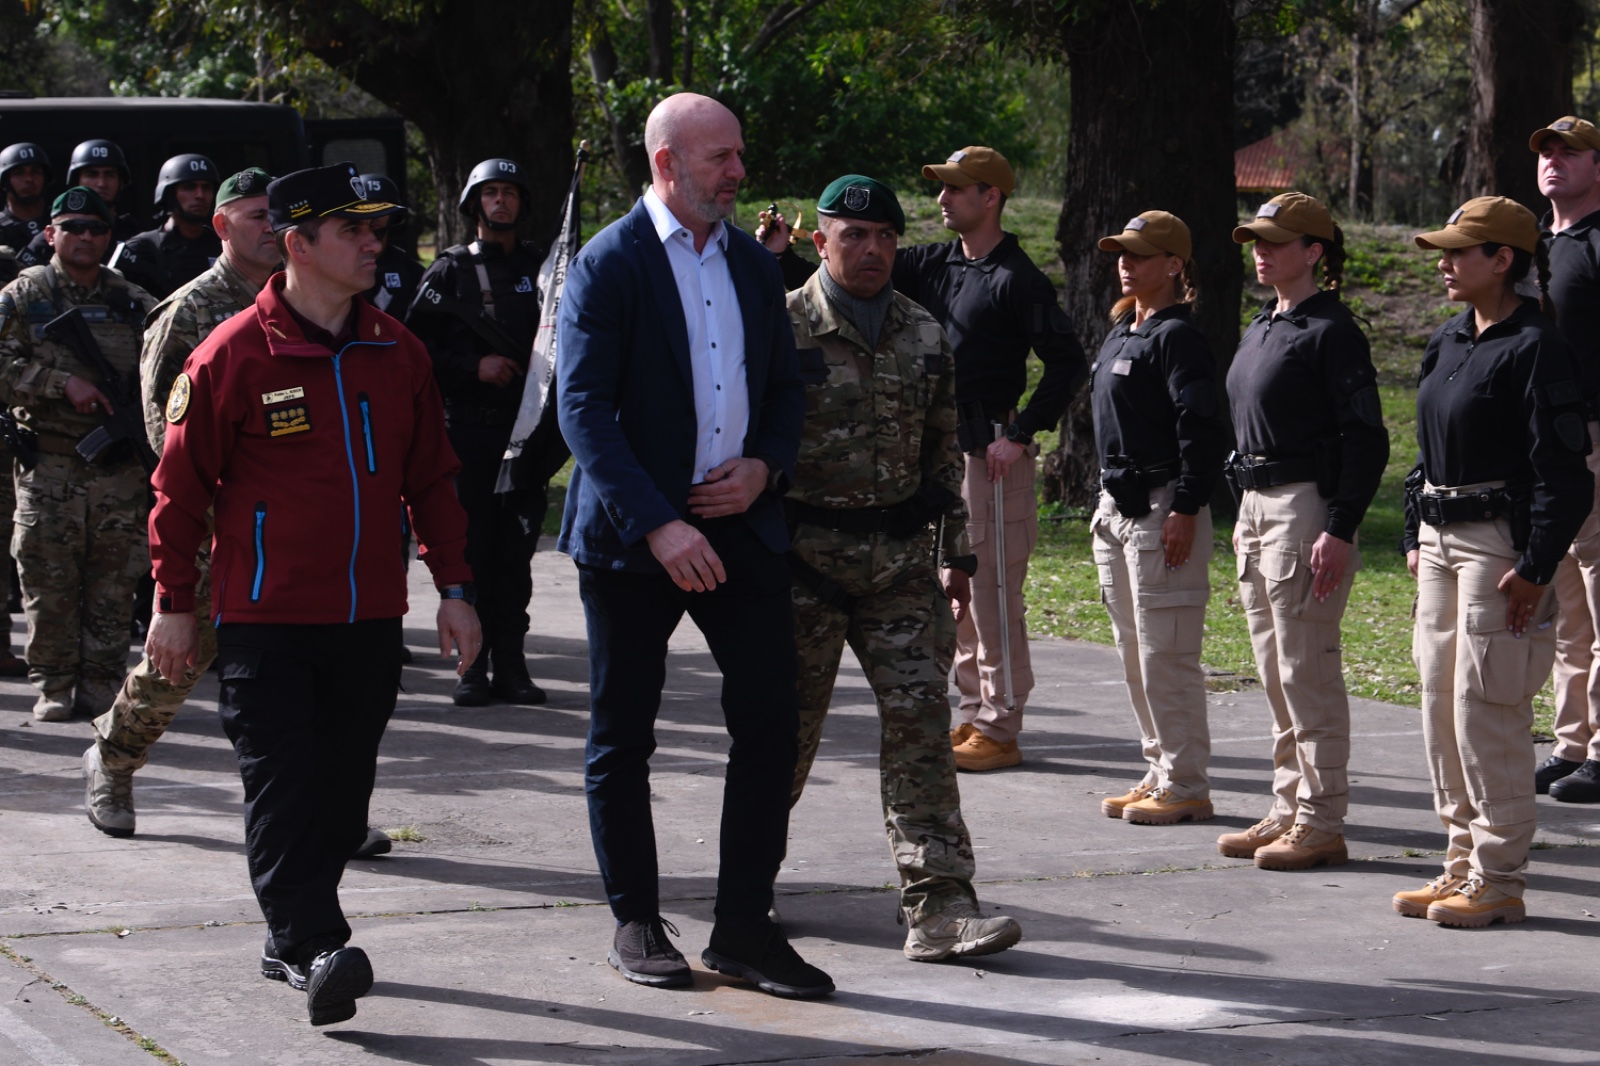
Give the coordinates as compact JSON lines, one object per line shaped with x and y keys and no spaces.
{"x":488,"y":931}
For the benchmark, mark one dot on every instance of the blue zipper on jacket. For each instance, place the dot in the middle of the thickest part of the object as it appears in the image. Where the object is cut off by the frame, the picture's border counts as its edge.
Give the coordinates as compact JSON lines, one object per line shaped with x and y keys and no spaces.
{"x":261,"y":553}
{"x":366,"y":430}
{"x":350,"y":457}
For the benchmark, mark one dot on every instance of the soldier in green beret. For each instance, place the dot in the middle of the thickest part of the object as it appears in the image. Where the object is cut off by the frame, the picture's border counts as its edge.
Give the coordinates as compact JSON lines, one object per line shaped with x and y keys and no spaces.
{"x":880,"y":382}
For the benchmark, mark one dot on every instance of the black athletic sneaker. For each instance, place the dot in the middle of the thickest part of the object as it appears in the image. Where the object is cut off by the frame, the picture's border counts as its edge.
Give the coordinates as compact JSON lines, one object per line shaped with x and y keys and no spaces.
{"x":335,"y":979}
{"x":761,"y":954}
{"x":642,"y":953}
{"x":1580,"y":786}
{"x":377,"y":843}
{"x":274,"y":967}
{"x":1550,"y":771}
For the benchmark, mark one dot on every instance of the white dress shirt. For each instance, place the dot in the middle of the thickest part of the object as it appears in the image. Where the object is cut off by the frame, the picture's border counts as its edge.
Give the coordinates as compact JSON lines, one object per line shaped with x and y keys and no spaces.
{"x":716,"y":337}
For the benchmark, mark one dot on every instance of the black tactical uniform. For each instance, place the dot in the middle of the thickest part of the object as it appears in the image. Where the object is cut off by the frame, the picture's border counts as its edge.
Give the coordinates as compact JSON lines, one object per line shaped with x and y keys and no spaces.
{"x":397,"y":280}
{"x":465,"y":285}
{"x":162,"y":259}
{"x":1155,"y":408}
{"x":1575,"y":292}
{"x":17,"y":233}
{"x":1303,"y":393}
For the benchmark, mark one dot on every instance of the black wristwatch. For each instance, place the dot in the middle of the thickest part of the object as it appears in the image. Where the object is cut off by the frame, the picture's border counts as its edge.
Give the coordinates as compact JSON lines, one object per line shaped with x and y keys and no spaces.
{"x":464,"y":591}
{"x":1015,"y":435}
{"x":967,"y":564}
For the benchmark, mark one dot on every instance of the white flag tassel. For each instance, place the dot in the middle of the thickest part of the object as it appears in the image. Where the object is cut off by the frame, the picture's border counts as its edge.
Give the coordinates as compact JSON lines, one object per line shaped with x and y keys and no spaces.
{"x":536,"y":450}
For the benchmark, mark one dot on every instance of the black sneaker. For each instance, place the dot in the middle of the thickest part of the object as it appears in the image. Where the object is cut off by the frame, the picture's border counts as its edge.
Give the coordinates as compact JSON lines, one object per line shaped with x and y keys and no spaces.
{"x":377,"y":843}
{"x":336,"y":978}
{"x":512,"y":683}
{"x":642,"y":953}
{"x":1580,"y":786}
{"x":275,"y":968}
{"x":473,"y":688}
{"x":1550,"y":771}
{"x":761,"y":955}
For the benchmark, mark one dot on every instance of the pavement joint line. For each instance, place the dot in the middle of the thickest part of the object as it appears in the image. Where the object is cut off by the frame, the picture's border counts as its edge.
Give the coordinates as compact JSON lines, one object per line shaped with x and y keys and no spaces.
{"x":1433,"y":1015}
{"x":106,"y":1018}
{"x":693,"y":762}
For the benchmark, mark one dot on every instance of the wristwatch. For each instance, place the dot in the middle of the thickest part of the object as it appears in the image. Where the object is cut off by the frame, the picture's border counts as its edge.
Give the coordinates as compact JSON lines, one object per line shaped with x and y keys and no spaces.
{"x":967,"y":564}
{"x":1015,"y":435}
{"x":464,"y":591}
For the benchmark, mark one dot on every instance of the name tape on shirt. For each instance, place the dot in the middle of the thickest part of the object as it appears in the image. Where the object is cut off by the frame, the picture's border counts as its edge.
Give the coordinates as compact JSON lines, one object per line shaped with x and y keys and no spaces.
{"x":296,"y":393}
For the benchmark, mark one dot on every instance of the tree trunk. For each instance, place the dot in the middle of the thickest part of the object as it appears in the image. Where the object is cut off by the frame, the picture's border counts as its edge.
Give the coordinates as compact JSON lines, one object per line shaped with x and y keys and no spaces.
{"x":1521,"y":80}
{"x":478,"y":78}
{"x":1151,"y":127}
{"x":628,"y":154}
{"x":658,"y":18}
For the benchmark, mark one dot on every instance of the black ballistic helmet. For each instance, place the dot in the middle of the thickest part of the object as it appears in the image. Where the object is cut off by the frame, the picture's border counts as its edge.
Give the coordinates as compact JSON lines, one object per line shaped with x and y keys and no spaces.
{"x":22,"y":154}
{"x":492,"y":170}
{"x":381,"y":187}
{"x":98,"y":152}
{"x":182,"y":168}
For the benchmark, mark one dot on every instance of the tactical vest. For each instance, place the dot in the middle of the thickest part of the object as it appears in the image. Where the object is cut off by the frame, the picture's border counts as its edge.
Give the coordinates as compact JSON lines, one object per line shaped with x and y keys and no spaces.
{"x":113,"y":318}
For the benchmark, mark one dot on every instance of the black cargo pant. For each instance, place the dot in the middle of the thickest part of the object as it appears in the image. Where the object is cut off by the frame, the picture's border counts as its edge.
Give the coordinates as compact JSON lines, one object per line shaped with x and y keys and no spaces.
{"x":502,"y":533}
{"x":305,"y":707}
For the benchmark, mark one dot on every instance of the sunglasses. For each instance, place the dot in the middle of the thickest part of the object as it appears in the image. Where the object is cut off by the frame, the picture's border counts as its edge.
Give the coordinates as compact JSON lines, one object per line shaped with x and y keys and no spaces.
{"x":80,"y":226}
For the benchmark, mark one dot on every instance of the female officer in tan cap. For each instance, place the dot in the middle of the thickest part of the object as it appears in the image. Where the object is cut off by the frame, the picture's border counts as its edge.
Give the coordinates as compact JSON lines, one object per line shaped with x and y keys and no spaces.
{"x":1499,"y":492}
{"x":1153,"y":390}
{"x":1311,"y":448}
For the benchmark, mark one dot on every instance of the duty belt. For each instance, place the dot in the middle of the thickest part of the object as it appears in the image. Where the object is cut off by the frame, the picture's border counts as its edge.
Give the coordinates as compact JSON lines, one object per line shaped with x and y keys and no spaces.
{"x":1442,"y":508}
{"x":1150,"y":477}
{"x":1259,"y":472}
{"x":842,"y":519}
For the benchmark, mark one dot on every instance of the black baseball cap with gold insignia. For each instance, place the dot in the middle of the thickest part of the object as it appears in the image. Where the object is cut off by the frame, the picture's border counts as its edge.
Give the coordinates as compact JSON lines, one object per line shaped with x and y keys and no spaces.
{"x":80,"y":200}
{"x":252,"y":181}
{"x":860,"y":197}
{"x":323,"y":192}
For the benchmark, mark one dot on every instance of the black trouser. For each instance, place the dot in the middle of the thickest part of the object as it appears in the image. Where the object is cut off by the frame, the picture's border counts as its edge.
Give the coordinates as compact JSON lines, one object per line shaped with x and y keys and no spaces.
{"x":502,"y":533}
{"x":305,"y":707}
{"x":748,"y":622}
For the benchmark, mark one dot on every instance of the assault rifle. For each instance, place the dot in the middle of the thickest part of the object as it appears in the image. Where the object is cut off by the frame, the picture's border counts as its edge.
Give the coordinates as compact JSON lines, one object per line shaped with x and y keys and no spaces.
{"x":124,"y":424}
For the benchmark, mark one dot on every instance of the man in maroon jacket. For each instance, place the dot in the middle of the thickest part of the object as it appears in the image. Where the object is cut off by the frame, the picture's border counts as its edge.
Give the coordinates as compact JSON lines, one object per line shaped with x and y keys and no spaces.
{"x":305,"y":423}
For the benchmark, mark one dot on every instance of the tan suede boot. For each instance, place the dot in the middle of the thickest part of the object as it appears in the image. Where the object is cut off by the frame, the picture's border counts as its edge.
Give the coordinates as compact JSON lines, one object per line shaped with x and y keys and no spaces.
{"x":1161,"y":807}
{"x":1112,"y":806}
{"x":1415,"y":903}
{"x":1243,"y":845}
{"x":1474,"y":905}
{"x":1301,"y":848}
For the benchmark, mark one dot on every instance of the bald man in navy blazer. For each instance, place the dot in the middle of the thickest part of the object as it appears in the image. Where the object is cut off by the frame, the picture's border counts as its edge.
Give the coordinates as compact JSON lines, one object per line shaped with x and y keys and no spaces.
{"x":680,"y":396}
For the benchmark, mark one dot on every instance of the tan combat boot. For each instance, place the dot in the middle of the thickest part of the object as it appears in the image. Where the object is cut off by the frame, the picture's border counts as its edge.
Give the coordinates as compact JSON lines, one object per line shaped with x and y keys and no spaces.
{"x":1112,"y":806}
{"x":1244,"y":844}
{"x":1474,"y":905}
{"x":959,"y":735}
{"x":1415,"y":903}
{"x":107,"y":795}
{"x":1301,"y":848}
{"x":978,"y":752}
{"x":959,"y":930}
{"x":1161,"y":807}
{"x":56,"y":707}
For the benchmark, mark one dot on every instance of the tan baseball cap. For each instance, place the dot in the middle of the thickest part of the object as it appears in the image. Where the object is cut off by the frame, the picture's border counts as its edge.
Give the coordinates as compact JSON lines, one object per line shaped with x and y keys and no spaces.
{"x":1577,"y":132}
{"x":1151,"y":233}
{"x":971,"y":165}
{"x":1485,"y":220}
{"x":1288,"y":217}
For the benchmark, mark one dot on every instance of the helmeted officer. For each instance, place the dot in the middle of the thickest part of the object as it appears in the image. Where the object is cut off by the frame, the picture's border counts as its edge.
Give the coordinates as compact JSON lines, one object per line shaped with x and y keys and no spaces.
{"x":477,"y":310}
{"x":184,"y":246}
{"x":399,"y":273}
{"x":78,"y":522}
{"x":96,"y":164}
{"x":24,"y":173}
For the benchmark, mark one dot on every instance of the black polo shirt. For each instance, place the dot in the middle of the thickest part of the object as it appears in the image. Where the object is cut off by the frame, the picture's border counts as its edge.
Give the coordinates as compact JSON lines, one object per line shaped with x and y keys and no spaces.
{"x":1154,"y":395}
{"x":1504,"y":405}
{"x":1575,"y":291}
{"x":1304,"y":379}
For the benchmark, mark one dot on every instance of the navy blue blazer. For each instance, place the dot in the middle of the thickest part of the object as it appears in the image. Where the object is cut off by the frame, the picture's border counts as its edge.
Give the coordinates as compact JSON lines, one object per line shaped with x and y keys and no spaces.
{"x":626,"y":391}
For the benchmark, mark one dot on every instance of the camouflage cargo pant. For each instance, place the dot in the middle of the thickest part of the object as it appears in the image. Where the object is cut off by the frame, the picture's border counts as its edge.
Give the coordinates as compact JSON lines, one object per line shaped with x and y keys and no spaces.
{"x":904,"y":637}
{"x":76,"y":526}
{"x":8,"y":507}
{"x":147,"y":702}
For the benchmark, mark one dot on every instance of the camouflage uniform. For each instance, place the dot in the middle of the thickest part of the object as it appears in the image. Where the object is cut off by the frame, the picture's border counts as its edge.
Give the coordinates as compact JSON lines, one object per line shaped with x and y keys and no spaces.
{"x":147,"y":702}
{"x":76,"y":523}
{"x":896,"y":408}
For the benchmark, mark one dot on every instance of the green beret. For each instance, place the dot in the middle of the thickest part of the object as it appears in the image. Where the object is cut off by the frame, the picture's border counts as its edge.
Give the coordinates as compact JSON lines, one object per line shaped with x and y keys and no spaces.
{"x":868,"y":199}
{"x":80,"y":200}
{"x":251,"y":181}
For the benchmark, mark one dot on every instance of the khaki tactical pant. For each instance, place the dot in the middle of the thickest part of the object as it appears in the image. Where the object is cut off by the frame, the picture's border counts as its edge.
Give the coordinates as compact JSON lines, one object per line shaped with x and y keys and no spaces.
{"x":147,"y":702}
{"x":1296,"y":642}
{"x":902,"y":635}
{"x":76,"y":525}
{"x":1577,"y":665}
{"x":1478,"y":683}
{"x":1159,"y":618}
{"x":980,"y":671}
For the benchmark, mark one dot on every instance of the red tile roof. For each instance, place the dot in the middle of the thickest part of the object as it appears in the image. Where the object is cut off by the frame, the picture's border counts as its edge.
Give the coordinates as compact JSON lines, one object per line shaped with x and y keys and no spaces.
{"x":1266,"y":166}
